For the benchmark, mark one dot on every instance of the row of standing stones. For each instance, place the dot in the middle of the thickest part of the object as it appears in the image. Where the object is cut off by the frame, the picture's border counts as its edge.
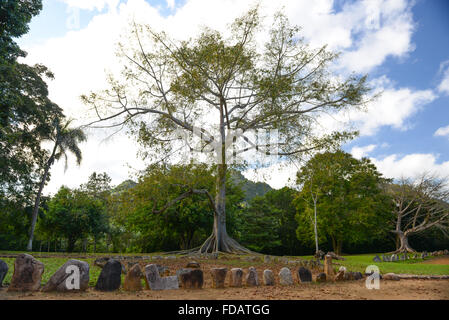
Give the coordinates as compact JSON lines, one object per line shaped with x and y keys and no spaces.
{"x":405,"y":256}
{"x":28,"y":274}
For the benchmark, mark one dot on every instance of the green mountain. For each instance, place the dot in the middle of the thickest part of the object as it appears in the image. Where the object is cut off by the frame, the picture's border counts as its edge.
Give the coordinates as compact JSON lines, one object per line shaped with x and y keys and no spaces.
{"x":252,"y":189}
{"x":125,"y":185}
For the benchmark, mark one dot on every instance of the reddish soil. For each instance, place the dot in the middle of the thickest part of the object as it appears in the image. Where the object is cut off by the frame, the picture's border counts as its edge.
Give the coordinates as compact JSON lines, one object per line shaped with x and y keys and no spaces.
{"x":438,"y":260}
{"x":351,"y":290}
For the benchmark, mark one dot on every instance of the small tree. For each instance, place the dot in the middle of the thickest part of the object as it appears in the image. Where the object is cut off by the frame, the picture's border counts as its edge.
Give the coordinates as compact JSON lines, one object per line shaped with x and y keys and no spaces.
{"x":418,"y":205}
{"x":169,"y":88}
{"x":64,"y":139}
{"x":73,"y":214}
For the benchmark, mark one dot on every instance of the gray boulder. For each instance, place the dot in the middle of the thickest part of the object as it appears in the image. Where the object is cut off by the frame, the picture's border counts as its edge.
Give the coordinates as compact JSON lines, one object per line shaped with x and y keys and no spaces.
{"x":59,"y":280}
{"x":251,"y":277}
{"x":391,"y":276}
{"x":110,"y":276}
{"x":268,"y":278}
{"x":27,"y":274}
{"x":236,"y":277}
{"x":3,"y":271}
{"x":285,"y":277}
{"x":156,"y":282}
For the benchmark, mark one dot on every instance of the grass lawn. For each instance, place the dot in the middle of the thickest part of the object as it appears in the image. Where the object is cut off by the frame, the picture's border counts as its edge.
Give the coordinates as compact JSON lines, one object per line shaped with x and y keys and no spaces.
{"x":412,"y":266}
{"x":352,"y":263}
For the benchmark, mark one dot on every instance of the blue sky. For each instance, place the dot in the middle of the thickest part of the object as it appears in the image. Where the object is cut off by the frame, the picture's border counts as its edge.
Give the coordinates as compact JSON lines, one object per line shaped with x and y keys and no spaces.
{"x":405,"y":53}
{"x":420,"y":70}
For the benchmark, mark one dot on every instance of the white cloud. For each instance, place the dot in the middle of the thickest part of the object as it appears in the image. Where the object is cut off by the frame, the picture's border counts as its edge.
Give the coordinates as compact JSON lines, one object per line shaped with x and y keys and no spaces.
{"x":385,"y":29}
{"x":444,"y":84}
{"x":411,"y":165}
{"x":365,"y":31}
{"x":360,"y":152}
{"x":392,"y":166}
{"x":393,"y":108}
{"x":442,"y":132}
{"x":277,"y":175}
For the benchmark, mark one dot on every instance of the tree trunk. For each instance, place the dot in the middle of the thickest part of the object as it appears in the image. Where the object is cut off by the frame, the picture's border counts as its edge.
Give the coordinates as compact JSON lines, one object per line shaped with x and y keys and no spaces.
{"x":219,"y":239}
{"x":71,"y":245}
{"x":405,"y":247}
{"x":38,"y":198}
{"x":339,"y":247}
{"x":315,"y":226}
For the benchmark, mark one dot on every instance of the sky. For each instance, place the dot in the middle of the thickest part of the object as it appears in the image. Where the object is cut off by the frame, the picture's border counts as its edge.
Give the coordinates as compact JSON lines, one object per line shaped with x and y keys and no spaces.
{"x":402,"y":45}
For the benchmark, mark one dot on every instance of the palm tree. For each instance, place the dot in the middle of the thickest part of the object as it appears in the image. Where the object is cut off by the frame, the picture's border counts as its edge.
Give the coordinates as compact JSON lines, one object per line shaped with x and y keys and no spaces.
{"x":65,"y":139}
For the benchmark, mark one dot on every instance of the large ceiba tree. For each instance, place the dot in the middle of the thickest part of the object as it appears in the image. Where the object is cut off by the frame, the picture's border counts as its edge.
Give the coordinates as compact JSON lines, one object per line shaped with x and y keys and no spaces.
{"x":418,"y":205}
{"x":233,"y":83}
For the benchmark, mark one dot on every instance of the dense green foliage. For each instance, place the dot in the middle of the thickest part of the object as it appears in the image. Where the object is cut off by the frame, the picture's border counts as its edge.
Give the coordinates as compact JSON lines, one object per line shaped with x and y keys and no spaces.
{"x":151,"y":225}
{"x":268,"y":223}
{"x":26,"y":113}
{"x":351,"y":205}
{"x":73,"y":215}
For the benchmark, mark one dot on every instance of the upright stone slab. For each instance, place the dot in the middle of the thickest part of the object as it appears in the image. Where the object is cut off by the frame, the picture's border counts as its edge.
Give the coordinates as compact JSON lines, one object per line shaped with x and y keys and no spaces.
{"x":193,"y":265}
{"x":251,"y":278}
{"x":3,"y":271}
{"x":109,"y":279}
{"x":267,"y":259}
{"x":156,"y":282}
{"x":328,"y":268}
{"x":404,"y":257}
{"x":349,"y":275}
{"x":394,"y":257}
{"x":236,"y":277}
{"x":163,"y":270}
{"x":340,"y":276}
{"x":377,"y":259}
{"x":133,"y":279}
{"x":71,"y":276}
{"x":27,"y":274}
{"x":268,"y":278}
{"x":357,"y":275}
{"x":304,"y":275}
{"x":218,"y":277}
{"x":193,"y":279}
{"x":285,"y":277}
{"x":321,"y":277}
{"x":181,"y":272}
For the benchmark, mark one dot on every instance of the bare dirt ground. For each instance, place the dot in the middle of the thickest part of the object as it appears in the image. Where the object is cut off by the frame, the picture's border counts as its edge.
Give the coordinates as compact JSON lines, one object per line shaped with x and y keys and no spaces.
{"x":351,"y":290}
{"x":438,"y":260}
